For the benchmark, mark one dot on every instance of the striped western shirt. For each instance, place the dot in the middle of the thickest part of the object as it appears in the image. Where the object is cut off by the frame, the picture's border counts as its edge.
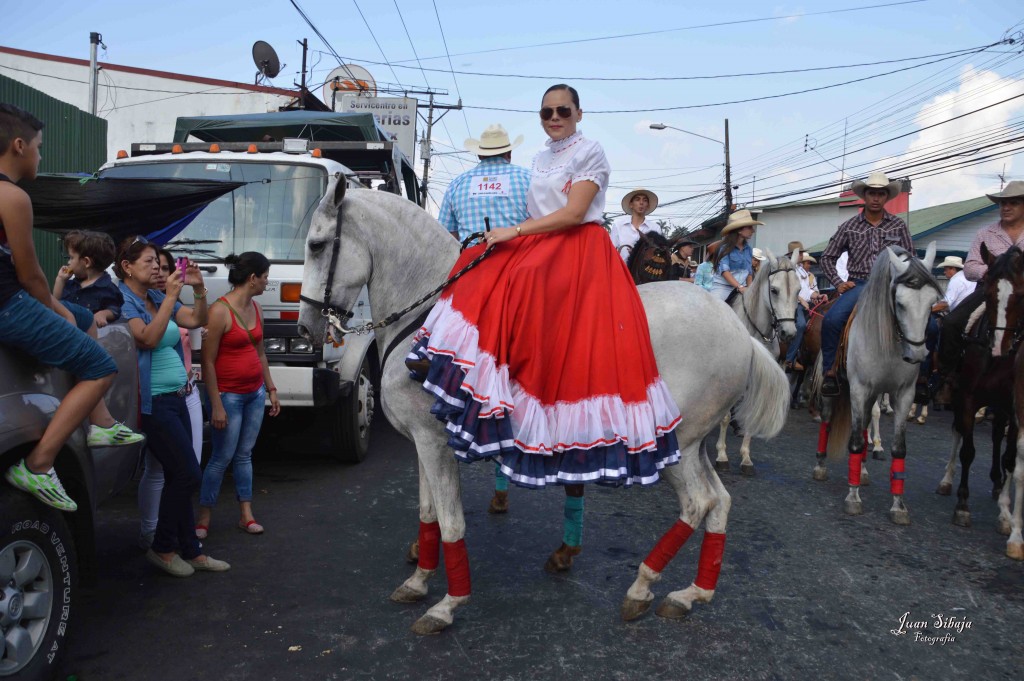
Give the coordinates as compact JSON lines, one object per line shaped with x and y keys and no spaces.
{"x":997,"y":241}
{"x":864,"y":242}
{"x":494,"y":189}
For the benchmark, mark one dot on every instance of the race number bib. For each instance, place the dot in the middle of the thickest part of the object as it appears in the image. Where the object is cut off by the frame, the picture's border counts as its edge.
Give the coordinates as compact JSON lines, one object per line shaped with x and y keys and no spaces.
{"x":490,"y":185}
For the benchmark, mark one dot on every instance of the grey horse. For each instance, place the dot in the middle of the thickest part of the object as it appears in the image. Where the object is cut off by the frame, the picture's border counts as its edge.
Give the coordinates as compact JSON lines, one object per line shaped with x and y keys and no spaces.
{"x":706,"y":357}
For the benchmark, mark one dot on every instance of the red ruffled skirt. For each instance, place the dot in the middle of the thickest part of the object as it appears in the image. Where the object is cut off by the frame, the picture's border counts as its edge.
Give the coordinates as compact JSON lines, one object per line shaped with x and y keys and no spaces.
{"x":540,"y":357}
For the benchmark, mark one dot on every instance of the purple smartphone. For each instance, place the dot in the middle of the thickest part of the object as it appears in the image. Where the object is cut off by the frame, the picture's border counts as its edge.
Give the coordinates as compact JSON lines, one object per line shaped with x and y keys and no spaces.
{"x":182,"y":263}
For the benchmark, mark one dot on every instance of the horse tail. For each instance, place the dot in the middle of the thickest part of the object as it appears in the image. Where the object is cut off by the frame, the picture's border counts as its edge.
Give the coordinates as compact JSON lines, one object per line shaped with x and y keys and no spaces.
{"x":762,"y":411}
{"x":840,"y":423}
{"x":817,"y":378}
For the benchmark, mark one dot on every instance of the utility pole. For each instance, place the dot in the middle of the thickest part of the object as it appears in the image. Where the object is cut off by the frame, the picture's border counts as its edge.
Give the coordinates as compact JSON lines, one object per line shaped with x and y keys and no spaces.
{"x":425,"y":141}
{"x":728,"y":172}
{"x":302,"y":89}
{"x":94,"y":40}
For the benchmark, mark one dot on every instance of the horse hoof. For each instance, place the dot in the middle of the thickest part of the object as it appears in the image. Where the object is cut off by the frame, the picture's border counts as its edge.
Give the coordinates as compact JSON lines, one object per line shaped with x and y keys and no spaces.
{"x":671,"y":610}
{"x":962,"y":518}
{"x":722,"y":466}
{"x":1015,"y":551}
{"x":944,"y":489}
{"x":747,"y":469}
{"x":820,"y":473}
{"x":633,"y":609}
{"x":428,"y":626}
{"x":561,"y":559}
{"x":404,"y":594}
{"x":499,"y":503}
{"x":921,"y":420}
{"x":817,"y":418}
{"x":878,"y":454}
{"x":413,"y":555}
{"x":865,"y":479}
{"x":853,"y":507}
{"x":900,"y":517}
{"x":1003,"y":527}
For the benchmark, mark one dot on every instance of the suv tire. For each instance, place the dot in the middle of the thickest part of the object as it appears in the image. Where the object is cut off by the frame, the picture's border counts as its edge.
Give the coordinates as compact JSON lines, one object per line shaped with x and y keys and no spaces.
{"x":38,"y":586}
{"x":348,"y":422}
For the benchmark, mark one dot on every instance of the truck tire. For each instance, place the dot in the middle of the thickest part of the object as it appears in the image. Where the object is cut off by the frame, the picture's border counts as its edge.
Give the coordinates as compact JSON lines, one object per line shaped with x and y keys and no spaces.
{"x":38,"y":586}
{"x":350,"y":419}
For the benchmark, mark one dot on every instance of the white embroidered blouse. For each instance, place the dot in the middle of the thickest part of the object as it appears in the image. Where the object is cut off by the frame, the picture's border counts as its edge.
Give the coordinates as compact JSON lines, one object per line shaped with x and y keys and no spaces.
{"x":573,"y":159}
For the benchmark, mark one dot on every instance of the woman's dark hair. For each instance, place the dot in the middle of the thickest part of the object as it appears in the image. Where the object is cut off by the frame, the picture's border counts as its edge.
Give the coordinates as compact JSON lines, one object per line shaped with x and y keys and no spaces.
{"x":730,"y":243}
{"x":162,"y":253}
{"x":568,"y":88}
{"x":131,"y":249}
{"x":244,"y":265}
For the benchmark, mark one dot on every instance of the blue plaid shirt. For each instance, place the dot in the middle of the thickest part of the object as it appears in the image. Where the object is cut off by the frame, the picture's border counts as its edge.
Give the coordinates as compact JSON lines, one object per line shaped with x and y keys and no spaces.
{"x":494,"y":189}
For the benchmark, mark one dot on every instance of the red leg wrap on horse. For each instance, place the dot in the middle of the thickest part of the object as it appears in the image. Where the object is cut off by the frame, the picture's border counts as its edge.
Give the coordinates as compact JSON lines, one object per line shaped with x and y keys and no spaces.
{"x":668,"y":546}
{"x":711,"y":550}
{"x":456,"y":565}
{"x":898,"y":475}
{"x":430,"y":545}
{"x":822,"y":437}
{"x":855,"y":462}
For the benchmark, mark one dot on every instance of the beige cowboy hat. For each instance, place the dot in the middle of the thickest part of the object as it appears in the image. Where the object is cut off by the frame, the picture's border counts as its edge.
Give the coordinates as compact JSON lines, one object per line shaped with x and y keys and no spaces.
{"x":651,"y":197}
{"x":758,"y":254}
{"x":952,"y":261}
{"x":739,"y":219}
{"x":795,"y":246}
{"x":877,"y":180}
{"x":1014,"y":190}
{"x":807,"y":257}
{"x":492,"y":142}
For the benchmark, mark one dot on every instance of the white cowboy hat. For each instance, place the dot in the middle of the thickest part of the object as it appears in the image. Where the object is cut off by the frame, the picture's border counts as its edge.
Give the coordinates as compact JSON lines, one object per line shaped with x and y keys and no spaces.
{"x":877,"y":180}
{"x":1014,"y":190}
{"x":492,"y":142}
{"x":741,"y":218}
{"x":759,"y":254}
{"x":651,"y":197}
{"x":952,"y":261}
{"x":807,"y":257}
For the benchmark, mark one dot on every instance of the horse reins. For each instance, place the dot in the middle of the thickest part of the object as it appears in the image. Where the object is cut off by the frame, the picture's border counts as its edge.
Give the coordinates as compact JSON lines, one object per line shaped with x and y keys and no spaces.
{"x":776,"y":320}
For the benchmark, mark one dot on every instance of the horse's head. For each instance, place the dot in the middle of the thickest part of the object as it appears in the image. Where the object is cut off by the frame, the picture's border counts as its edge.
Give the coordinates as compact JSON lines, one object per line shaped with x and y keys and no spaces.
{"x":1004,"y":299}
{"x":782,"y":292}
{"x":337,"y":266}
{"x":913,"y":291}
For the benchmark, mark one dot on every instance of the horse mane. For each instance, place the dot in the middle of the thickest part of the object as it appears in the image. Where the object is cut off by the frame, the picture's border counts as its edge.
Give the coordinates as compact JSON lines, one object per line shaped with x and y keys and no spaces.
{"x":874,"y":307}
{"x":1006,"y":266}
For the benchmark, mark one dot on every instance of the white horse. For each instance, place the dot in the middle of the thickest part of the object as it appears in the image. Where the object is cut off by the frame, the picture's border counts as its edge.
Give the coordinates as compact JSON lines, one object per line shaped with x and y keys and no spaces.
{"x":885,"y":347}
{"x":768,"y":311}
{"x":705,"y":356}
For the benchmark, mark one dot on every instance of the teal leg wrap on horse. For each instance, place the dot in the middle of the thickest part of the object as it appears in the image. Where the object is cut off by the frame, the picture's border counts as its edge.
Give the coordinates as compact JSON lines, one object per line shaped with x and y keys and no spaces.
{"x":500,"y":479}
{"x":572,"y":532}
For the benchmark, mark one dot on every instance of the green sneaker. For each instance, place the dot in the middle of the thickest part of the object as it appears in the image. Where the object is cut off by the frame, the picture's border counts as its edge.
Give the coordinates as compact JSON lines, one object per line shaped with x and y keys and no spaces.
{"x":45,"y":487}
{"x":114,"y":436}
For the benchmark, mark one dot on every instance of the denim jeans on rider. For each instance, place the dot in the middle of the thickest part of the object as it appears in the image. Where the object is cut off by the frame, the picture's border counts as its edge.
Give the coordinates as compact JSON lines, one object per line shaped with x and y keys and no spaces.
{"x":801,"y":326}
{"x":234,"y":443}
{"x":169,"y":437}
{"x":835,"y":321}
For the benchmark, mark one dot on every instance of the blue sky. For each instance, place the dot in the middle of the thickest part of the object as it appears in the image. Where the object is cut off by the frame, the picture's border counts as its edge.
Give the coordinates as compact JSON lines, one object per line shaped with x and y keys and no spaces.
{"x":214,"y":38}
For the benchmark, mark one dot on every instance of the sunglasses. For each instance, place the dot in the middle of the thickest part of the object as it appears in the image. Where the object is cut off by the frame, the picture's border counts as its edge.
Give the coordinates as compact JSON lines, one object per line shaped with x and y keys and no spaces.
{"x":139,"y":240}
{"x":547,"y":113}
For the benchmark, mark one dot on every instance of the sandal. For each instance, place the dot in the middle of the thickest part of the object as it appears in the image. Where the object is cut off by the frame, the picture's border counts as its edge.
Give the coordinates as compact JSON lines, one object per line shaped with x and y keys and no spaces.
{"x":202,"y":531}
{"x":252,"y":527}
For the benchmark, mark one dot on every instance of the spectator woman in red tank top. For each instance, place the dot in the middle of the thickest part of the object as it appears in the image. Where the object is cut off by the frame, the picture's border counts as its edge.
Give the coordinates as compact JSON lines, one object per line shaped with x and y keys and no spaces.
{"x":238,"y":381}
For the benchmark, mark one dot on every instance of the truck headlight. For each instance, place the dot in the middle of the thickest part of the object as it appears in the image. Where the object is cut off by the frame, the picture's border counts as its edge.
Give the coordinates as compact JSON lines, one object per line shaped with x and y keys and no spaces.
{"x":274,"y":345}
{"x":300,"y":345}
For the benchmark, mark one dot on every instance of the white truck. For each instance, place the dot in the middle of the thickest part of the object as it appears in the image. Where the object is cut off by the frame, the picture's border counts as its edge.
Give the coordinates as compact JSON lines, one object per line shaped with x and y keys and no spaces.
{"x":331,"y":388}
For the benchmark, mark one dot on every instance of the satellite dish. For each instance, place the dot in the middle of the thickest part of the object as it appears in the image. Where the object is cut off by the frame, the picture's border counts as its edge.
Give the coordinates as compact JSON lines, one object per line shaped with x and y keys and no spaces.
{"x":349,"y":79}
{"x":266,"y":59}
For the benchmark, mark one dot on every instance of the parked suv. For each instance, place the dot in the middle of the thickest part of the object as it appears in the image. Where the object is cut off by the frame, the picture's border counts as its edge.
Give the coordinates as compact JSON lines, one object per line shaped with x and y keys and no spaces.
{"x":45,"y":555}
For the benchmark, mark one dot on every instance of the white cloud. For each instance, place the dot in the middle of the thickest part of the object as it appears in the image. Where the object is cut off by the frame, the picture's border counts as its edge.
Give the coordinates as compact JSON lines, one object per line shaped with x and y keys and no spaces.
{"x":975,"y":180}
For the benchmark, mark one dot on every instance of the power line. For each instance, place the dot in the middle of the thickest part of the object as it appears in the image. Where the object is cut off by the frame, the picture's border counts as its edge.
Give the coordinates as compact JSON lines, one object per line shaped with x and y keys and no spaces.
{"x":683,"y":28}
{"x":397,"y":79}
{"x":451,"y":68}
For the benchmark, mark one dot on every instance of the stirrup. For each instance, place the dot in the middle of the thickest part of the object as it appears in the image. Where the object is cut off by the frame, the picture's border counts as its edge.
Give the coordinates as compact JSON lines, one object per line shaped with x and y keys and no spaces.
{"x":418,"y":368}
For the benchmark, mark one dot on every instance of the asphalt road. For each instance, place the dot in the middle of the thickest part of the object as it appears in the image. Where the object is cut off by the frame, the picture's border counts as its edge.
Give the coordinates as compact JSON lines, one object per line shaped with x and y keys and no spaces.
{"x":805,"y":591}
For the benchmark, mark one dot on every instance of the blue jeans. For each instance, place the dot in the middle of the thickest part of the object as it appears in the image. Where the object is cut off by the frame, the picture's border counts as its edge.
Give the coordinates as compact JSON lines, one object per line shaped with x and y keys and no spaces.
{"x":835,"y":321}
{"x":801,"y":326}
{"x":168,"y":432}
{"x":234,"y":443}
{"x":28,"y":325}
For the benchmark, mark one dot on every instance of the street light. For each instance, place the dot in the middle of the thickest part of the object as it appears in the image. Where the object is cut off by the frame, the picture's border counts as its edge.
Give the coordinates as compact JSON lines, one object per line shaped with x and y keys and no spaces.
{"x":725,"y":145}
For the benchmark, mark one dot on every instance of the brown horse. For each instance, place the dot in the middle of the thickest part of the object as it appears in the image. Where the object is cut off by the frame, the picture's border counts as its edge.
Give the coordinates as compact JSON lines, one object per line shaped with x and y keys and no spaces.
{"x":985,"y":379}
{"x":1015,"y":544}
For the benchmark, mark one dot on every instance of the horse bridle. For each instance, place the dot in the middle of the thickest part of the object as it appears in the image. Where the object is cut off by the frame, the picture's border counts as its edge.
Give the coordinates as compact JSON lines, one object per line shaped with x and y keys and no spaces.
{"x":776,"y":320}
{"x":896,"y":320}
{"x":337,"y":316}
